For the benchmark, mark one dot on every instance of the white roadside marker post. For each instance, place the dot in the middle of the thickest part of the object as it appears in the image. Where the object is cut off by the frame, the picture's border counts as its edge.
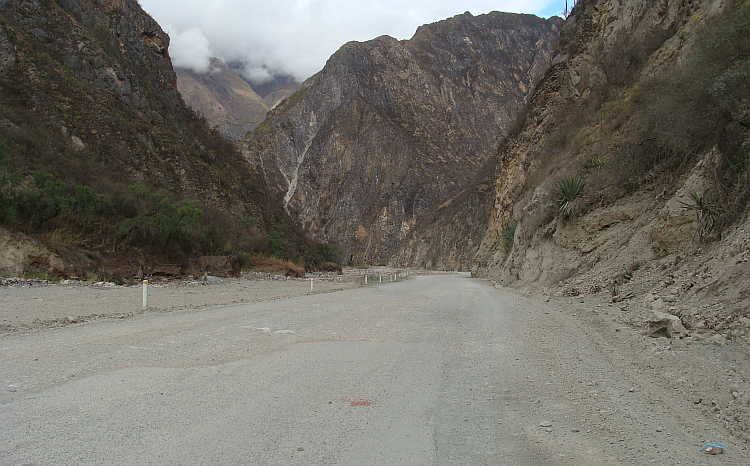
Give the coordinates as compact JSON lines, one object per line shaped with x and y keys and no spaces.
{"x":311,"y":284}
{"x":365,"y":279}
{"x":381,"y":278}
{"x":145,"y":294}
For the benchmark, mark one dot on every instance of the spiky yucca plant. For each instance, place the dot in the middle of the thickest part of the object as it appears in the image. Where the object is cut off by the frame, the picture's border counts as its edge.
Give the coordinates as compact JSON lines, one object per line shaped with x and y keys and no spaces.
{"x":705,"y":212}
{"x":569,"y":188}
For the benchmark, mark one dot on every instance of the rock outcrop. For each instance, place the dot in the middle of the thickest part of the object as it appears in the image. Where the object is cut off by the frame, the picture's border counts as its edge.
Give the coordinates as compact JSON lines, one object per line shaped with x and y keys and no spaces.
{"x":448,"y":237}
{"x":390,"y":130}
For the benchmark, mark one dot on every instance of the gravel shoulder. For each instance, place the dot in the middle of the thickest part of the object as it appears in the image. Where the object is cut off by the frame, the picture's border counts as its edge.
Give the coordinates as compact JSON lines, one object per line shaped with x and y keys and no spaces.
{"x":29,"y":304}
{"x":699,"y":373}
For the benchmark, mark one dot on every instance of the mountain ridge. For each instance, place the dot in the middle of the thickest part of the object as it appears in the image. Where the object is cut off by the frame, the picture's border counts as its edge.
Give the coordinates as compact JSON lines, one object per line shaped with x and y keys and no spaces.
{"x":653,"y":127}
{"x":100,"y":159}
{"x":226,"y":100}
{"x":352,"y":151}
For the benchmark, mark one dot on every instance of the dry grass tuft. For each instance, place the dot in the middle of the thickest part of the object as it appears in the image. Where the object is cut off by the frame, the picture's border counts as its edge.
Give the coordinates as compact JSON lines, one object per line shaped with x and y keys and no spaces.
{"x":276,"y":266}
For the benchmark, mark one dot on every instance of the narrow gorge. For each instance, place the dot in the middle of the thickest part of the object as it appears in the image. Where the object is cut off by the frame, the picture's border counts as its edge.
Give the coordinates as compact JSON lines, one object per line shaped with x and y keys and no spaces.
{"x":389,"y":131}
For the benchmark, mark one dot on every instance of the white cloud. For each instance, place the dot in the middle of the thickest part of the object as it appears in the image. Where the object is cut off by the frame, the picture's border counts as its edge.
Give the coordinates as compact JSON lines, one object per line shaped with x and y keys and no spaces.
{"x":190,"y":50}
{"x":297,"y":36}
{"x":256,"y":74}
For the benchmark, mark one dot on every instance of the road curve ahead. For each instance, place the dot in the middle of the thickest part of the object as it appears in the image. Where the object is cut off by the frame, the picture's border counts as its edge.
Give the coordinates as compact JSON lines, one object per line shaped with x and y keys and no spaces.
{"x":440,"y":369}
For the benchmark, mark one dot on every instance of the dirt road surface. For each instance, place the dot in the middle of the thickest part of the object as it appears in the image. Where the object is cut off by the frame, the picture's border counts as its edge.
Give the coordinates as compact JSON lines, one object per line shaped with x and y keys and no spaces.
{"x":439,"y":369}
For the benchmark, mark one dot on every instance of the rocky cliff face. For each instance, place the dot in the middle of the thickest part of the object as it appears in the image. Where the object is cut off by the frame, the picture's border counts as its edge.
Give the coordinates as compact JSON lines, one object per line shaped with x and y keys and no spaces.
{"x":639,"y":105}
{"x":449,"y":236}
{"x":96,"y":81}
{"x":226,"y":100}
{"x":89,"y":103}
{"x":390,"y":130}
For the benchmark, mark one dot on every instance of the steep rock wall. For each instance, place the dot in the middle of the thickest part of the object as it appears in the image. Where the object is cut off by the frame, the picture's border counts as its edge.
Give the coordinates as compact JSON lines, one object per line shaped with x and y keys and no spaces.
{"x":88,"y":98}
{"x":389,"y":130}
{"x":635,"y":232}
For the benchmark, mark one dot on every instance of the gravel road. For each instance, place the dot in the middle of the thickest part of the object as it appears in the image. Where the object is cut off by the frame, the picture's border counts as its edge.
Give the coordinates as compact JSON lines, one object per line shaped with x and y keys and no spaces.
{"x":440,"y":369}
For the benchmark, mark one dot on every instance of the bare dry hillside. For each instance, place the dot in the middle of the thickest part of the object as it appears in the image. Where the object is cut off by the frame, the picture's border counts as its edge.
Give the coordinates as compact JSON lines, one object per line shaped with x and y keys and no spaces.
{"x":629,"y":176}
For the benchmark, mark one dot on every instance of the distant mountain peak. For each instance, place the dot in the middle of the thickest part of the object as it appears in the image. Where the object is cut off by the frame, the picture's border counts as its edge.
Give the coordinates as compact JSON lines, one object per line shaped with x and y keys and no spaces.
{"x":226,"y":100}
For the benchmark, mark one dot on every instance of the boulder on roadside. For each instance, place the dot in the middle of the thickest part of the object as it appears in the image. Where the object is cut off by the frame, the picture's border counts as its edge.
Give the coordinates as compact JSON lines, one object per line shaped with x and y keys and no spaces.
{"x":662,"y":324}
{"x":657,"y":305}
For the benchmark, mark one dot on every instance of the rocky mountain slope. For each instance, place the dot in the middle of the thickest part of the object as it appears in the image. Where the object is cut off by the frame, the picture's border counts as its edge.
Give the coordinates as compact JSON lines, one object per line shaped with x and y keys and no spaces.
{"x":629,"y":175}
{"x":390,"y":130}
{"x":223,"y":98}
{"x":448,"y":237}
{"x":100,"y":159}
{"x":276,"y":90}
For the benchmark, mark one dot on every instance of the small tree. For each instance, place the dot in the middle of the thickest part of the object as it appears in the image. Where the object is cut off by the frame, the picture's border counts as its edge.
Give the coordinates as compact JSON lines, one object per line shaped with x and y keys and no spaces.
{"x":273,"y":242}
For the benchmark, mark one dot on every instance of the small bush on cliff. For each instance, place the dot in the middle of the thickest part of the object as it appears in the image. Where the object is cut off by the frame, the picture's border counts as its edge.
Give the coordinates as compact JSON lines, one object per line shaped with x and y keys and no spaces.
{"x":45,"y":199}
{"x":509,"y":233}
{"x":8,"y":195}
{"x":273,"y":243}
{"x":705,"y":212}
{"x":89,"y":203}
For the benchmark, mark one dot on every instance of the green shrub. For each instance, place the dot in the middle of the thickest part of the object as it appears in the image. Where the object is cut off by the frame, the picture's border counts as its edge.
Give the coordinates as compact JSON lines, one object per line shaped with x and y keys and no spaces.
{"x":93,"y":276}
{"x":89,"y":203}
{"x":509,"y":233}
{"x":45,"y":200}
{"x":592,"y":163}
{"x":34,"y":272}
{"x":329,"y":252}
{"x":273,"y":243}
{"x":249,"y":222}
{"x":160,"y":219}
{"x":244,"y":258}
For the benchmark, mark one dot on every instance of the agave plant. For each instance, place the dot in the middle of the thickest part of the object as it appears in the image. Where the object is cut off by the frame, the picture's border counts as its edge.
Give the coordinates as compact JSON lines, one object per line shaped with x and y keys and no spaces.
{"x":569,"y":188}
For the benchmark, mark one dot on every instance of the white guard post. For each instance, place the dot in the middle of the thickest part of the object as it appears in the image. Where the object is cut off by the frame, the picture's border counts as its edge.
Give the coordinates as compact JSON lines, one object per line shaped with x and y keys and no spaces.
{"x":145,"y":294}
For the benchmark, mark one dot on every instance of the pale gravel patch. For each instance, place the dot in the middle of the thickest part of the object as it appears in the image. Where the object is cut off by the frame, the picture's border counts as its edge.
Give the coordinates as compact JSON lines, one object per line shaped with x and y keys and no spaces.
{"x":35,"y":304}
